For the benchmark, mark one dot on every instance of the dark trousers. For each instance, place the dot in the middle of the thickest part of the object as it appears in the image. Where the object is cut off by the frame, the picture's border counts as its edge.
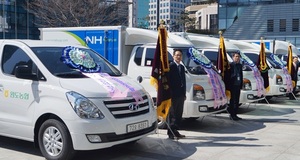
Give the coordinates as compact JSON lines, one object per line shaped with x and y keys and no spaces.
{"x":234,"y":102}
{"x":175,"y":114}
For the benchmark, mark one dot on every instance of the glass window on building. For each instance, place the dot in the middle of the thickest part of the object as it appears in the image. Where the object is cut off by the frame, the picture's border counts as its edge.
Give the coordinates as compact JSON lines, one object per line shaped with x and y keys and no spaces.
{"x":282,"y":25}
{"x":297,"y":41}
{"x":270,"y":25}
{"x":199,"y":21}
{"x":295,"y":25}
{"x":16,"y":22}
{"x":232,"y":12}
{"x":213,"y":25}
{"x":222,"y":23}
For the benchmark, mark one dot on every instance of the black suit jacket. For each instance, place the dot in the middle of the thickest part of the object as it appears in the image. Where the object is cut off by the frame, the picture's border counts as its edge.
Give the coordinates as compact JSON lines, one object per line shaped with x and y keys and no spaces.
{"x":233,"y":73}
{"x":294,"y":74}
{"x":177,"y":80}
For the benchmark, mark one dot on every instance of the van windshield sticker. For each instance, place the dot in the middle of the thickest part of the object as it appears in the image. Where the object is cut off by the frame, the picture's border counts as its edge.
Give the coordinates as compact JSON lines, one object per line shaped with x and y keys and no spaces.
{"x":79,"y":59}
{"x":199,"y":58}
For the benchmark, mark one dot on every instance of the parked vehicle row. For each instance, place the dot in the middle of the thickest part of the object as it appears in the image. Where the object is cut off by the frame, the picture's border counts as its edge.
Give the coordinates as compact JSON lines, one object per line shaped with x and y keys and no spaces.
{"x":132,"y":51}
{"x":85,"y":88}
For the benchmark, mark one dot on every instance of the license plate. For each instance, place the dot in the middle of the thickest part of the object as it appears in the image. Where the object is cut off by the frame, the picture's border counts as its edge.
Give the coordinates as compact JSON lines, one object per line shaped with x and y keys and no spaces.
{"x":137,"y":126}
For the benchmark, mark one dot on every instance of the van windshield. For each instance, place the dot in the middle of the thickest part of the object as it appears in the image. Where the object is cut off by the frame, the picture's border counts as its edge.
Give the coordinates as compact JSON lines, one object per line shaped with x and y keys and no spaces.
{"x":191,"y":65}
{"x":51,"y":57}
{"x":275,"y":60}
{"x":254,"y":58}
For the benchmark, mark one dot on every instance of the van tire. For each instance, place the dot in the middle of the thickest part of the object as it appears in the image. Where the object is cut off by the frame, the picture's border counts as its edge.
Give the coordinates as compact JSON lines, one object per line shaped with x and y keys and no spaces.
{"x":55,"y":141}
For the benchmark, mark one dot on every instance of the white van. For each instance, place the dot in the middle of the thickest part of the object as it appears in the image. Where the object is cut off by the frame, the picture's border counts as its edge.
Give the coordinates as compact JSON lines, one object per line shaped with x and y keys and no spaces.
{"x":200,"y":93}
{"x":277,"y":78}
{"x":48,"y":97}
{"x":132,"y":50}
{"x":280,"y":49}
{"x":209,"y":47}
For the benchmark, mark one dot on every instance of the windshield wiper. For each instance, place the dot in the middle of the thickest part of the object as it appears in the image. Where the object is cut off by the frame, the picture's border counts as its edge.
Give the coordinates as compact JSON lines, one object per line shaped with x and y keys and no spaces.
{"x":71,"y":74}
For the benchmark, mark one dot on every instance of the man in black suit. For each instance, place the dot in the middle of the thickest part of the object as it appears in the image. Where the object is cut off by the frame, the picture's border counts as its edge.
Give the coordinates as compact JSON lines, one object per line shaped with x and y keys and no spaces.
{"x":294,"y":75}
{"x":178,"y":91}
{"x":236,"y":78}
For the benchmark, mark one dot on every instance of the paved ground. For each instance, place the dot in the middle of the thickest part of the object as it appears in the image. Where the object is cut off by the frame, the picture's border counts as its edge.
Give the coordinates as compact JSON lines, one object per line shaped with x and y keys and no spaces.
{"x":267,"y":132}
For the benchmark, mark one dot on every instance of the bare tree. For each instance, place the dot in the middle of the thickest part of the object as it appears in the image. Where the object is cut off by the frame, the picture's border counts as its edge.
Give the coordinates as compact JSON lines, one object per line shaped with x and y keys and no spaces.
{"x":71,"y":13}
{"x":186,"y":21}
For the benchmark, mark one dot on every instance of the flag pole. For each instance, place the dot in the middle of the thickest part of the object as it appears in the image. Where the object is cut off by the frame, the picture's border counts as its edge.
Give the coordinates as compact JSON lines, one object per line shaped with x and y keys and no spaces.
{"x":162,"y":25}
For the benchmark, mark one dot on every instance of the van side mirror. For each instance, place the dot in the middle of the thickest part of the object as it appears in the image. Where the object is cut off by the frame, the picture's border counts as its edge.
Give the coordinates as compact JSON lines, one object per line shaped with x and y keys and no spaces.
{"x":24,"y":72}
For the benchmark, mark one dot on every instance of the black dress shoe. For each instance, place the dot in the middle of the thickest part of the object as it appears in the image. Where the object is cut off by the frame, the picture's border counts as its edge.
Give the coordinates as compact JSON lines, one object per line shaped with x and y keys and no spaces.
{"x":234,"y":118}
{"x":178,"y":135}
{"x":172,"y":137}
{"x":239,"y":118}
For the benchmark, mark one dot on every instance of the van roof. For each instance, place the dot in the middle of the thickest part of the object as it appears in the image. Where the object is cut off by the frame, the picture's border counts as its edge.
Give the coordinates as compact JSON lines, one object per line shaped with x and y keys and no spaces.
{"x":247,"y":46}
{"x":207,"y":42}
{"x":137,"y":36}
{"x":41,"y":43}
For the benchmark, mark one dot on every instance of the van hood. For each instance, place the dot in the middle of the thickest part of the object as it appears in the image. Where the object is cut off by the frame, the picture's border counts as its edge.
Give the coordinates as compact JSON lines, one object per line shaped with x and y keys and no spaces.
{"x":121,"y":86}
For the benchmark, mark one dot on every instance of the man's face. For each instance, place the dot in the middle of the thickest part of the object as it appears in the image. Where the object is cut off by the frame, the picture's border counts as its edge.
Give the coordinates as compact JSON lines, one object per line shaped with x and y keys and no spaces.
{"x":236,"y":58}
{"x":295,"y":59}
{"x":177,"y":56}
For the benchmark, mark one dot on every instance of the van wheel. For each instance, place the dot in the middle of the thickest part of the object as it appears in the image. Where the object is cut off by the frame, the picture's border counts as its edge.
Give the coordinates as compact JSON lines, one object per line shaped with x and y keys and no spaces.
{"x":55,"y":141}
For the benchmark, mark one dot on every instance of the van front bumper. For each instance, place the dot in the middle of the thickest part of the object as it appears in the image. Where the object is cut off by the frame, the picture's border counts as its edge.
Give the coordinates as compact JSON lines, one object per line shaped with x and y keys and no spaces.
{"x":107,"y":137}
{"x":248,"y":96}
{"x":200,"y":108}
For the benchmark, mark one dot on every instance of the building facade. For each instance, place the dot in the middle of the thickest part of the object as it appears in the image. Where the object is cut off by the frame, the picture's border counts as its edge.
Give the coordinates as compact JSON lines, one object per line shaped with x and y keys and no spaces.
{"x":170,"y":11}
{"x":16,"y":22}
{"x":253,"y":19}
{"x":207,"y":17}
{"x":138,"y":14}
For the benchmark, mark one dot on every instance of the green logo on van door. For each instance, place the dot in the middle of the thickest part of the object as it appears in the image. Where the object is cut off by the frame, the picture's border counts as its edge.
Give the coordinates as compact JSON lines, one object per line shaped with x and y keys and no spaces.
{"x":16,"y":95}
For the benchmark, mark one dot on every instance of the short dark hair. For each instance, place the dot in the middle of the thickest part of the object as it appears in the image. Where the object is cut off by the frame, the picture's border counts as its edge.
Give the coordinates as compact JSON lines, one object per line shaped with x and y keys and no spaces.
{"x":234,"y":53}
{"x":175,"y":50}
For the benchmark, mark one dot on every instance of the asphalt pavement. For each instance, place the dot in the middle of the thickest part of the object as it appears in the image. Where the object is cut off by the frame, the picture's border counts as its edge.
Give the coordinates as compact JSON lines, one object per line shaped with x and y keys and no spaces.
{"x":267,"y":132}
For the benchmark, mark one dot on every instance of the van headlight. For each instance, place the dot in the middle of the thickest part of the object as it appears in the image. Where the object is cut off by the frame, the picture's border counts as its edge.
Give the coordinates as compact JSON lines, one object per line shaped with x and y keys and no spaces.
{"x":198,"y":92}
{"x":247,"y":84}
{"x":83,"y":107}
{"x":151,"y":102}
{"x":279,"y":80}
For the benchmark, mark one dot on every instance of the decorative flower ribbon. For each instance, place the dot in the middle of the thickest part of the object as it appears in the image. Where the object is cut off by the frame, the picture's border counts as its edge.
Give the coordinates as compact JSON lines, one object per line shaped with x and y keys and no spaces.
{"x":106,"y":84}
{"x":220,"y":97}
{"x":79,"y":59}
{"x":258,"y":78}
{"x":276,"y":60}
{"x":259,"y":81}
{"x":214,"y":79}
{"x":135,"y":94}
{"x":199,"y":58}
{"x":288,"y":79}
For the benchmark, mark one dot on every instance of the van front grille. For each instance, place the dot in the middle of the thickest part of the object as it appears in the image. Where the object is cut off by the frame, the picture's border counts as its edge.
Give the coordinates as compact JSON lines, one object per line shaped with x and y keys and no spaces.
{"x":127,"y":107}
